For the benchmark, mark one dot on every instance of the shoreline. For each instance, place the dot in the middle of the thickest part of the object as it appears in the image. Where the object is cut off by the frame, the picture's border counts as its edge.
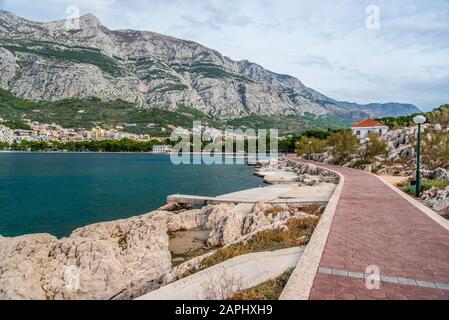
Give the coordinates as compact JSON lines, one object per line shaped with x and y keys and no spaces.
{"x":133,"y":256}
{"x":253,"y":168}
{"x":131,"y":214}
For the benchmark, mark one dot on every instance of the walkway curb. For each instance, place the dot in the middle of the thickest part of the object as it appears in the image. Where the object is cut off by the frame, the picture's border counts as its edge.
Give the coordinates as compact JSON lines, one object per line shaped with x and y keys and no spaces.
{"x":300,"y":283}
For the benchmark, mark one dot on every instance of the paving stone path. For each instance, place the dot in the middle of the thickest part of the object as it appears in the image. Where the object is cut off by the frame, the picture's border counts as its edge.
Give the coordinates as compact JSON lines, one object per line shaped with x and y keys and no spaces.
{"x":374,"y":226}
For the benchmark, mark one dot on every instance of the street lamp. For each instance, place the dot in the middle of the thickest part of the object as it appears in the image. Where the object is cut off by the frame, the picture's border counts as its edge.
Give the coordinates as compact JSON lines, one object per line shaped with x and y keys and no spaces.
{"x":310,"y":150}
{"x":419,"y":120}
{"x":366,"y":150}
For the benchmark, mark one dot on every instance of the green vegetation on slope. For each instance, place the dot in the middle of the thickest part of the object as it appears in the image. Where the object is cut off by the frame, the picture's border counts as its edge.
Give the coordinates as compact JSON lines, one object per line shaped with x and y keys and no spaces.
{"x":86,"y":113}
{"x":209,"y":70}
{"x":439,"y":115}
{"x":76,"y":113}
{"x":289,"y":124}
{"x":76,"y":54}
{"x":164,"y":88}
{"x":16,"y":124}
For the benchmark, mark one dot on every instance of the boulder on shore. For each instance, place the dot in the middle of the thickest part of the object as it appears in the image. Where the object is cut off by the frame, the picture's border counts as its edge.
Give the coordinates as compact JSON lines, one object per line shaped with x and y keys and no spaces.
{"x":95,"y":262}
{"x":437,"y":199}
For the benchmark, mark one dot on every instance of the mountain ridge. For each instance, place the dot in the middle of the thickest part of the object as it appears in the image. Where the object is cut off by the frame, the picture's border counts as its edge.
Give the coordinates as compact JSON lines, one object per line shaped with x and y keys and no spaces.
{"x":42,"y":61}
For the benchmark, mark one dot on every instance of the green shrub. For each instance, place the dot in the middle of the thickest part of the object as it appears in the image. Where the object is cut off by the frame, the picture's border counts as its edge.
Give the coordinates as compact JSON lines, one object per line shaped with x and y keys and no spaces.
{"x":435,"y":146}
{"x":307,"y":146}
{"x":3,"y":145}
{"x":440,"y":116}
{"x":343,"y":145}
{"x":376,"y":147}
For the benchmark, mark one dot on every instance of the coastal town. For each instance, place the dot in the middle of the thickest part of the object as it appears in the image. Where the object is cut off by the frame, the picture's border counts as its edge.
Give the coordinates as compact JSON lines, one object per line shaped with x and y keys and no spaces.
{"x":30,"y":131}
{"x":44,"y":132}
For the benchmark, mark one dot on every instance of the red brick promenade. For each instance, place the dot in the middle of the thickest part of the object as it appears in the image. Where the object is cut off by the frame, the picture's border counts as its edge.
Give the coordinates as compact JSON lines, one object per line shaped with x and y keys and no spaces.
{"x":373,"y":225}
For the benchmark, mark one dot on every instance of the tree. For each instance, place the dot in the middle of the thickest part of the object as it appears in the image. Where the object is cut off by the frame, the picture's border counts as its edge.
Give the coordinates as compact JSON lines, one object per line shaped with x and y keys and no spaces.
{"x":343,"y":145}
{"x":435,"y":146}
{"x":287,"y":144}
{"x":376,"y":146}
{"x":3,"y":145}
{"x":307,"y":146}
{"x":439,"y":116}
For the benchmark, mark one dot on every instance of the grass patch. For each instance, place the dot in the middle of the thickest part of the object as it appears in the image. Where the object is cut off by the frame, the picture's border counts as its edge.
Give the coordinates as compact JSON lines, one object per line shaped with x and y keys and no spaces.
{"x":269,"y":290}
{"x":314,"y":209}
{"x":426,"y":184}
{"x":297,"y":233}
{"x":275,"y":210}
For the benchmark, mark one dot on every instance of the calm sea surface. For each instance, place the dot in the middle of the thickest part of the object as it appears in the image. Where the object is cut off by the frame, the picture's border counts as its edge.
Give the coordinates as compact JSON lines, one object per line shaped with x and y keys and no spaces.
{"x":58,"y":192}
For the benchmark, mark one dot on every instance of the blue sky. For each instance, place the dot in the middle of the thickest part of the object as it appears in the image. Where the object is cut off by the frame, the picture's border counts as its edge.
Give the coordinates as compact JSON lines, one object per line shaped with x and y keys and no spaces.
{"x":324,"y":43}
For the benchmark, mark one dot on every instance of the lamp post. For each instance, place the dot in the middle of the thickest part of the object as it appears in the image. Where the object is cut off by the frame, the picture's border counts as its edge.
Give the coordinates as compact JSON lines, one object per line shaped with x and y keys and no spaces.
{"x":366,"y":150}
{"x":419,"y":120}
{"x":310,"y":150}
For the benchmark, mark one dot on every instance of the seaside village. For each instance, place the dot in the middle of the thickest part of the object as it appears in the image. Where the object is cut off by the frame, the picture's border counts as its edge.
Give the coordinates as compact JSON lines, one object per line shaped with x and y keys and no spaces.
{"x":43,"y":132}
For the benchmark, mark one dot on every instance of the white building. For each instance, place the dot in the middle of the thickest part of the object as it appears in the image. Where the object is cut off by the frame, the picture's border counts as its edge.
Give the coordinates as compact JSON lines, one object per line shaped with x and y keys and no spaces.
{"x":6,"y":135}
{"x":161,"y":148}
{"x":362,"y":129}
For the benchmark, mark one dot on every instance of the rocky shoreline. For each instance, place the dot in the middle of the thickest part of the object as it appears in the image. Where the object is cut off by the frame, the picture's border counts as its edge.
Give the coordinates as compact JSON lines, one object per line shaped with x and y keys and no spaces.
{"x":126,"y":258}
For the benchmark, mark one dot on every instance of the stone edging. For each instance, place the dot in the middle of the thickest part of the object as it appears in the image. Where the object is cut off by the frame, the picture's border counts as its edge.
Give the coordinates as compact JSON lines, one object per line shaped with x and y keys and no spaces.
{"x":250,"y":269}
{"x":429,"y":212}
{"x":301,"y":281}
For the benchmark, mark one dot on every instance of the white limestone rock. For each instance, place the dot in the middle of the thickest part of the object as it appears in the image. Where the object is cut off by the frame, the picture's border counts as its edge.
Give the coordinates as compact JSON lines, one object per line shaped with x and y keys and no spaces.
{"x":436,"y":199}
{"x":441,"y":174}
{"x":185,"y":220}
{"x":108,"y":257}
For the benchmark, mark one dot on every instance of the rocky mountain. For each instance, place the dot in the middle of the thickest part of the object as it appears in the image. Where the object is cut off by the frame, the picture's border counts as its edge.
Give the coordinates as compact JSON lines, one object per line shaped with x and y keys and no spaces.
{"x":50,"y":62}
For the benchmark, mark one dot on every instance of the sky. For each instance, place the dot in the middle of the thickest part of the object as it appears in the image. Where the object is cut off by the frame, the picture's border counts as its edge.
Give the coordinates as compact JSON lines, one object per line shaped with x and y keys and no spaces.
{"x":352,"y":50}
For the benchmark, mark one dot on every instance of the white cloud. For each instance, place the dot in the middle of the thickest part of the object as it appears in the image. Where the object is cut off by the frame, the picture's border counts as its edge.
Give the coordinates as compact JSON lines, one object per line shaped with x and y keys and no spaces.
{"x":323,"y":43}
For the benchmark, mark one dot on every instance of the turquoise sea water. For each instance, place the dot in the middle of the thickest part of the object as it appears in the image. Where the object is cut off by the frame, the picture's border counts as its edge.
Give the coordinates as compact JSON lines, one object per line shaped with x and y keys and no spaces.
{"x":58,"y":192}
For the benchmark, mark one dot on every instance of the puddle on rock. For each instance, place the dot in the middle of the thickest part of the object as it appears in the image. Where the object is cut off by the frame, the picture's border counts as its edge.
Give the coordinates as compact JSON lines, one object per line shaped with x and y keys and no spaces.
{"x":187,"y":244}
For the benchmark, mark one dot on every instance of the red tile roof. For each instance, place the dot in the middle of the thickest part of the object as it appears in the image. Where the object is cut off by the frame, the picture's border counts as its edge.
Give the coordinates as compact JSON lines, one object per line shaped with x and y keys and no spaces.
{"x":368,"y":123}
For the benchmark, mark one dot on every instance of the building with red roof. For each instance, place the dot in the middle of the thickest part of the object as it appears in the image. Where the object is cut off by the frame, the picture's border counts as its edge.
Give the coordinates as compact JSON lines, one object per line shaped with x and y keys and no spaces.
{"x":363,"y":128}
